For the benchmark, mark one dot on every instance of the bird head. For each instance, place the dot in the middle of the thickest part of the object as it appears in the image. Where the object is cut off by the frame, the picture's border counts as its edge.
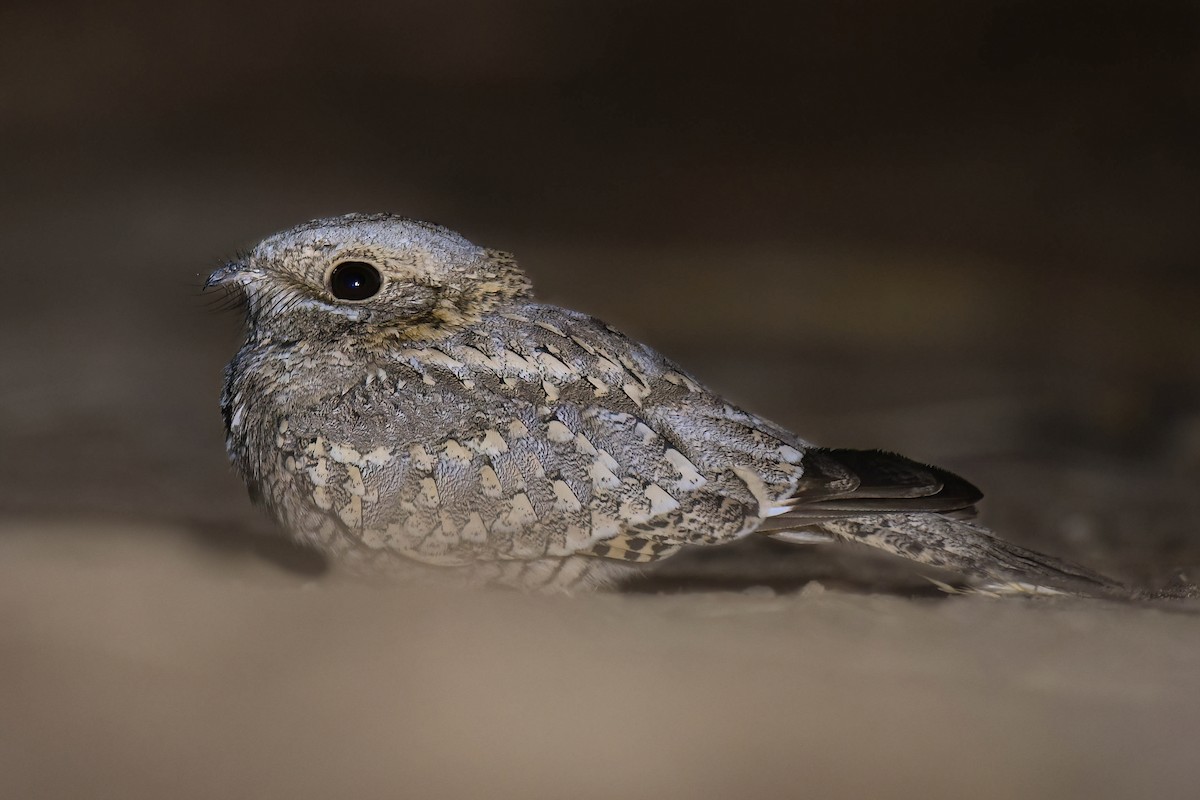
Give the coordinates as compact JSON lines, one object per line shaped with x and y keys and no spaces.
{"x":375,"y":276}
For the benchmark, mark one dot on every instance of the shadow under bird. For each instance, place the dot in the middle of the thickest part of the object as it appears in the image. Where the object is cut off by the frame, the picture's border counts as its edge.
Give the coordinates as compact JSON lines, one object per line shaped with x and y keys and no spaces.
{"x":401,"y":402}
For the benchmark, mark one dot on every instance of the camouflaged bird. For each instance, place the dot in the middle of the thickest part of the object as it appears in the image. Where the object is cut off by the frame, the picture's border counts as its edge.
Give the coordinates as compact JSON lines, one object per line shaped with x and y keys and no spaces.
{"x":402,"y":401}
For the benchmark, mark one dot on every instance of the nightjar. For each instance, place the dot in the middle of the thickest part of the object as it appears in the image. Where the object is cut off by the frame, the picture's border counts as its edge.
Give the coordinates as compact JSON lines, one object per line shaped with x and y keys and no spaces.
{"x":401,"y":402}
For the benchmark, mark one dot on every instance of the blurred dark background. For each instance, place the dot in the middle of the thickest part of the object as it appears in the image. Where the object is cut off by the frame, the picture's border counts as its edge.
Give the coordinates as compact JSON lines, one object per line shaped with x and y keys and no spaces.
{"x":962,"y":230}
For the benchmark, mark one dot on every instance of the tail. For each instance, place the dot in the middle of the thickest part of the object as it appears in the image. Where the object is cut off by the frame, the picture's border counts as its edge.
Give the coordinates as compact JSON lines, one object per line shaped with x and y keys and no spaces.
{"x":919,"y":512}
{"x":998,"y":566}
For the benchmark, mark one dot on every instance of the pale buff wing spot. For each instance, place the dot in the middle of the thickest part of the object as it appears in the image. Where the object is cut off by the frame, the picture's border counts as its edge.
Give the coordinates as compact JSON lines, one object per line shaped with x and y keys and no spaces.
{"x":492,"y":444}
{"x":344,"y":454}
{"x":430,"y":355}
{"x":642,"y":430}
{"x":757,"y":488}
{"x":518,"y":363}
{"x":283,"y":425}
{"x":428,"y":380}
{"x":607,"y":460}
{"x":321,"y":497}
{"x":380,"y":455}
{"x":429,"y":496}
{"x":690,"y":477}
{"x":476,"y":357}
{"x":517,"y":430}
{"x":603,"y":478}
{"x":449,"y":524}
{"x":584,"y":445}
{"x":558,"y":432}
{"x":552,"y":328}
{"x":586,"y":347}
{"x":551,"y":391}
{"x":474,"y":531}
{"x":490,"y":482}
{"x":565,"y":499}
{"x":682,"y":380}
{"x":421,"y":459}
{"x":599,"y":387}
{"x":575,"y":537}
{"x":635,"y":507}
{"x":318,"y":474}
{"x":455,"y":451}
{"x":660,"y":501}
{"x":635,"y":392}
{"x":515,"y":317}
{"x":790,"y":454}
{"x":553,"y":368}
{"x":354,"y":482}
{"x":520,"y":515}
{"x":633,"y":370}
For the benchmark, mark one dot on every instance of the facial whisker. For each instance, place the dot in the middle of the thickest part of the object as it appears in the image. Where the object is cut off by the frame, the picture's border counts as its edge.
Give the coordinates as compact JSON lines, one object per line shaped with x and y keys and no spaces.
{"x":227,"y":299}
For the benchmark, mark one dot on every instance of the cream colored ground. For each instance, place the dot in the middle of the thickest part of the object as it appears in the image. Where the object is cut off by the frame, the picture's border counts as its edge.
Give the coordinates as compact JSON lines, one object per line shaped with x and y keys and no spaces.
{"x":138,"y":664}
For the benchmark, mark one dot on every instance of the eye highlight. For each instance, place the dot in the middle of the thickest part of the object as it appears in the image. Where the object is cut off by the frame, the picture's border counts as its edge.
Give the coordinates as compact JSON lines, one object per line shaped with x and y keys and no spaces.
{"x":355,"y":280}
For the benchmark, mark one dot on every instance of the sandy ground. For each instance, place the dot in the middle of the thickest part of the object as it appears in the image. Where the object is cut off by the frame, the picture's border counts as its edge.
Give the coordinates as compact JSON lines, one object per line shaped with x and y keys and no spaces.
{"x":138,"y":664}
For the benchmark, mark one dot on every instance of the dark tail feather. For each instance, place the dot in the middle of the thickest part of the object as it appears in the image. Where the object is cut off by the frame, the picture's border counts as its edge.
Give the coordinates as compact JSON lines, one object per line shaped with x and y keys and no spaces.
{"x":844,"y":482}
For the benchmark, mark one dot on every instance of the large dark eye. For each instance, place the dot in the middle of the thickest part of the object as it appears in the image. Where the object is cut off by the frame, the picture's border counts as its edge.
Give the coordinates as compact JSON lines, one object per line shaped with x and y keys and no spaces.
{"x":354,"y":280}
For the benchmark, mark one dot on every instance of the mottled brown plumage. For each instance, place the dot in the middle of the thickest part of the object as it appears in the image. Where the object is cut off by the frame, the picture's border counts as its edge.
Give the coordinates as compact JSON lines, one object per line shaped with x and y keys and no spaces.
{"x":417,"y":411}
